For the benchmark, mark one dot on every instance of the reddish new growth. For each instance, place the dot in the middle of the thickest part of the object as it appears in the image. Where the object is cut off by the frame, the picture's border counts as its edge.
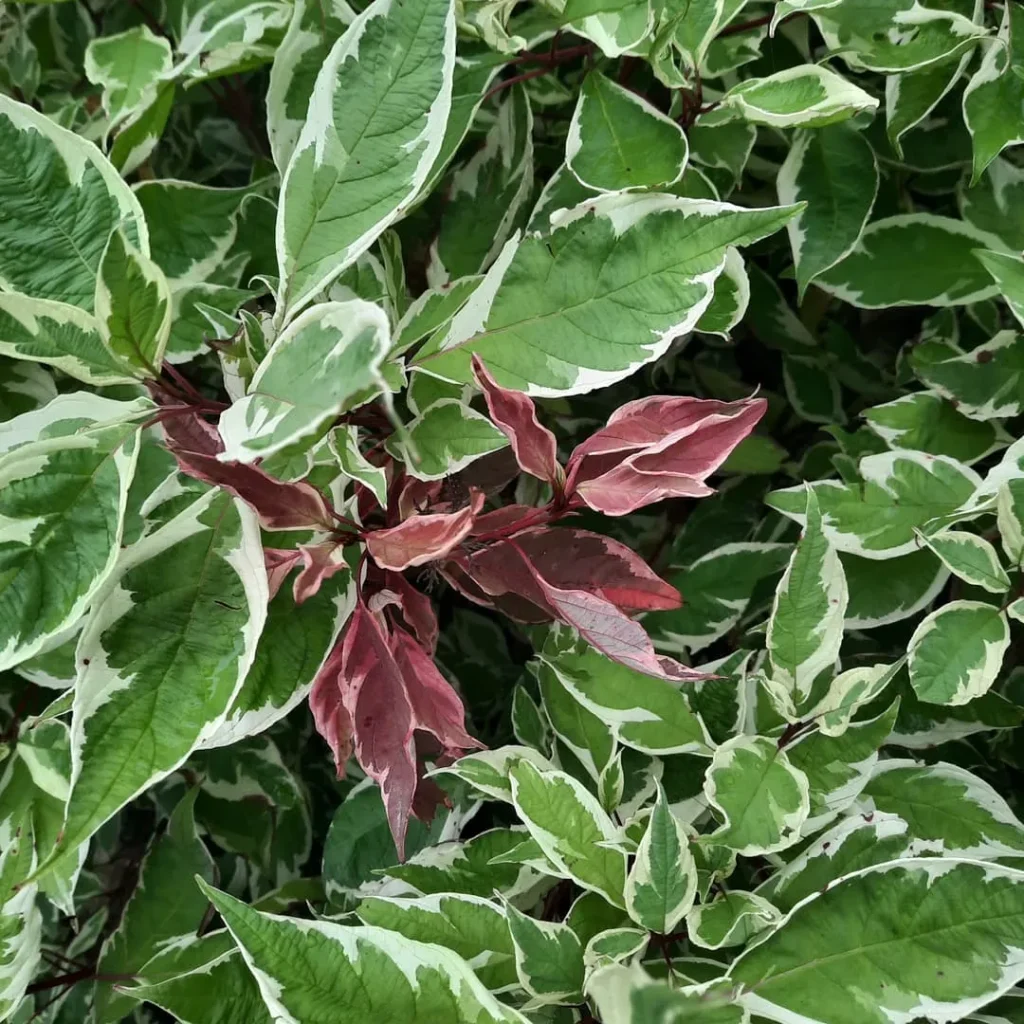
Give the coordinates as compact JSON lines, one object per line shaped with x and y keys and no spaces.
{"x":379,"y":695}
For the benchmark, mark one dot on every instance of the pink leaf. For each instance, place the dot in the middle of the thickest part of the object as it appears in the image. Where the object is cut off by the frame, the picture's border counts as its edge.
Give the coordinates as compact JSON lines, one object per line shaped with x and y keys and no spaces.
{"x":417,"y":610}
{"x":280,"y":506}
{"x":332,"y":719}
{"x":606,"y":628}
{"x":422,"y":538}
{"x":624,"y":489}
{"x":658,"y":448}
{"x":570,"y":560}
{"x":320,"y":562}
{"x":516,"y":416}
{"x":373,"y":694}
{"x":279,"y":563}
{"x":436,"y":707}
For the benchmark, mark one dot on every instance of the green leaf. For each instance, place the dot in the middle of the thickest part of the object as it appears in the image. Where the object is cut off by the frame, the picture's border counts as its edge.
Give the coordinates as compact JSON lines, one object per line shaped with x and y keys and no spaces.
{"x":838,"y":767}
{"x":586,"y":734}
{"x":729,"y":304}
{"x":377,"y":112}
{"x":133,"y":305}
{"x":138,"y":136}
{"x":488,"y":770}
{"x":627,"y":995}
{"x":575,"y":310}
{"x":995,"y":94}
{"x":61,"y":200}
{"x":761,"y":798}
{"x":129,"y":67}
{"x":910,"y":98}
{"x":927,"y":422}
{"x":308,"y":969}
{"x":645,"y":713}
{"x":947,"y":809}
{"x":662,"y":882}
{"x":970,"y":557}
{"x":913,"y":259}
{"x":834,"y":171}
{"x":163,"y":656}
{"x":220,"y":990}
{"x":549,"y":958}
{"x":469,"y":867}
{"x":806,"y":625}
{"x":1007,"y":272}
{"x":60,"y":335}
{"x":716,"y":590}
{"x":62,"y":503}
{"x":807,"y":96}
{"x":848,"y":692}
{"x":445,"y":437}
{"x":165,"y":906}
{"x":312,"y":32}
{"x":901,"y":492}
{"x":191,"y":229}
{"x":731,"y":919}
{"x":486,"y":197}
{"x":619,"y":141}
{"x":23,"y":387}
{"x":1010,"y":520}
{"x":21,"y":925}
{"x":897,"y":931}
{"x":986,"y":383}
{"x":957,"y":651}
{"x":327,"y":357}
{"x":292,"y":647}
{"x":568,"y":824}
{"x":473,"y":927}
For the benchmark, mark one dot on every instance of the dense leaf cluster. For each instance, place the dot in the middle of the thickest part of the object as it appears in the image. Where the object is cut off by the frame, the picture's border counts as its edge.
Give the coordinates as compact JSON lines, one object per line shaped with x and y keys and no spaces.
{"x":511,"y":511}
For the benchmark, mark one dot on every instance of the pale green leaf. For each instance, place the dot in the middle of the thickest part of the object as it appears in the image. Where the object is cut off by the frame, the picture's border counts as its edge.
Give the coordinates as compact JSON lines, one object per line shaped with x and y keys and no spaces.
{"x":377,"y":112}
{"x":445,"y":437}
{"x":306,"y":970}
{"x":662,"y":882}
{"x":1008,"y":272}
{"x":61,"y":200}
{"x":575,"y":310}
{"x":548,"y":957}
{"x":970,"y":557}
{"x":834,"y":171}
{"x":129,"y":66}
{"x":133,"y":306}
{"x":163,"y":656}
{"x":731,"y":919}
{"x":344,"y":445}
{"x":619,"y":141}
{"x":897,"y":931}
{"x":568,"y":824}
{"x":806,"y":625}
{"x":876,"y":519}
{"x":986,"y":383}
{"x":760,"y":797}
{"x":328,"y":356}
{"x":473,"y":927}
{"x":957,"y":651}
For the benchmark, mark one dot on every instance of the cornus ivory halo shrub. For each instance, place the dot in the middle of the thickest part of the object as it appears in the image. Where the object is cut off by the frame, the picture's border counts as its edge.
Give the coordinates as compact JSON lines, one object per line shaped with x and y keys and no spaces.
{"x":511,"y":512}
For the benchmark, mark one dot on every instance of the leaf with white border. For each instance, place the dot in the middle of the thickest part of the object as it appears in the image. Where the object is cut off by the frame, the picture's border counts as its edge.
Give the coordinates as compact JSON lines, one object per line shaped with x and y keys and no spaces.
{"x":306,"y":970}
{"x":549,"y":958}
{"x":731,"y":919}
{"x":956,"y":652}
{"x":551,"y":332}
{"x":377,"y":113}
{"x":326,"y":357}
{"x":970,"y":557}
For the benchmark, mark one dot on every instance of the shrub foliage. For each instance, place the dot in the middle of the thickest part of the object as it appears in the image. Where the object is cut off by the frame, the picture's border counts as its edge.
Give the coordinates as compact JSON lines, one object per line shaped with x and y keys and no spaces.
{"x":511,"y":512}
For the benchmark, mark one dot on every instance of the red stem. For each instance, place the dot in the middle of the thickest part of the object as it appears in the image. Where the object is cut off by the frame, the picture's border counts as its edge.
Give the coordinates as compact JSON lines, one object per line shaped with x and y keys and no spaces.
{"x":745,"y":26}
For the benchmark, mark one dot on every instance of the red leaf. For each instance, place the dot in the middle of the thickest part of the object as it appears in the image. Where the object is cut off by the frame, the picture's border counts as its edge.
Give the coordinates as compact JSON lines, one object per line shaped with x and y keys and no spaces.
{"x":607,"y":629}
{"x":570,"y":560}
{"x":424,"y":538}
{"x":658,"y":448}
{"x":516,"y":416}
{"x":332,"y":719}
{"x":320,"y":562}
{"x":624,"y":489}
{"x":436,"y":707}
{"x":280,"y":506}
{"x":279,"y":563}
{"x":417,"y":610}
{"x":373,"y":693}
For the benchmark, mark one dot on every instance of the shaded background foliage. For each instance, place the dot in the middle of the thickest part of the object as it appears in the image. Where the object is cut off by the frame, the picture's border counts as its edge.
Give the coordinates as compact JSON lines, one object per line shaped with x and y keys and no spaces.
{"x":864,"y":318}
